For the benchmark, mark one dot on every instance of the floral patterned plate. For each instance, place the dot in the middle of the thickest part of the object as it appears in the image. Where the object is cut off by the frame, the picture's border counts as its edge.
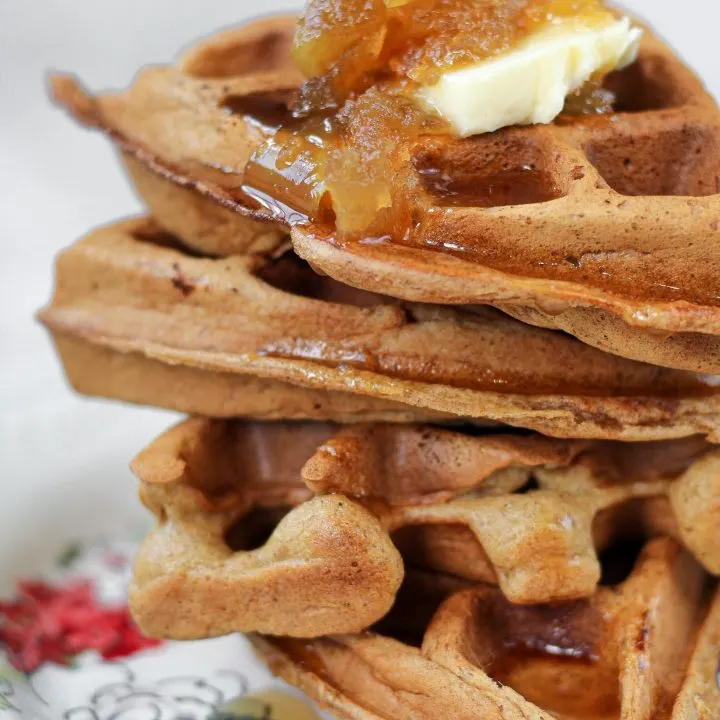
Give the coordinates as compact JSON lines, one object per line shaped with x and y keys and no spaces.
{"x":69,"y":650}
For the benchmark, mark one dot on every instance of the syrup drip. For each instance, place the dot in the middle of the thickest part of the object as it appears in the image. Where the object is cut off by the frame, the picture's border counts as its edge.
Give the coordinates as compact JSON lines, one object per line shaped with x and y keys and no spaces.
{"x":285,"y":174}
{"x":352,"y":168}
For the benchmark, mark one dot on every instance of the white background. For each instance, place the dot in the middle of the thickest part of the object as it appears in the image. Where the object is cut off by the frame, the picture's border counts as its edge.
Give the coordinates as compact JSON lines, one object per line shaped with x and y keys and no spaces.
{"x":63,"y":459}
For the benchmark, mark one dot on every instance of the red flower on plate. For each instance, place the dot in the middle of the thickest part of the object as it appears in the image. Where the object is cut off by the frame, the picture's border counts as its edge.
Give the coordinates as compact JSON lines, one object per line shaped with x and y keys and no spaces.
{"x":54,"y":624}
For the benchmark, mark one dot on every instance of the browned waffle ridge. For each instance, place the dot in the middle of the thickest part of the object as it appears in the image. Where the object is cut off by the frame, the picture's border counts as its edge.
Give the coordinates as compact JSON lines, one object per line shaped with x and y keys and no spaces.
{"x":133,"y":377}
{"x":130,"y":288}
{"x":252,"y":58}
{"x":624,"y":256}
{"x":290,"y":528}
{"x":629,"y":652}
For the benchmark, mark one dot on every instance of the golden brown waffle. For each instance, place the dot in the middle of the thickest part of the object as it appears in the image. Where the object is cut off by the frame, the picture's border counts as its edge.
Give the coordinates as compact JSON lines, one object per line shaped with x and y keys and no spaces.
{"x":644,"y":649}
{"x":291,"y":529}
{"x":605,"y":227}
{"x":130,"y":288}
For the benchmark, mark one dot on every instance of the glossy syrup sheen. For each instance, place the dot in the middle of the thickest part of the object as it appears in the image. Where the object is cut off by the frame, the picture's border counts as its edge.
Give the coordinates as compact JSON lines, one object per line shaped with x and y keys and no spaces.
{"x":521,"y":186}
{"x":556,"y":657}
{"x":351,"y":168}
{"x":462,"y":373}
{"x":567,"y":686}
{"x":342,"y":154}
{"x":539,"y":358}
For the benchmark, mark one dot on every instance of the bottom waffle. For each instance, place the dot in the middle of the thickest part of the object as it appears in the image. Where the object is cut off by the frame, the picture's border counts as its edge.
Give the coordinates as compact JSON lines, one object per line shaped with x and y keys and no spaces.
{"x":643,"y":649}
{"x":305,"y":529}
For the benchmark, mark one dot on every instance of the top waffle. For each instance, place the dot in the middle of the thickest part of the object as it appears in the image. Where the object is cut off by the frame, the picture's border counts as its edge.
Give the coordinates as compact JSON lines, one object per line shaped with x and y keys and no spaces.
{"x":605,"y":226}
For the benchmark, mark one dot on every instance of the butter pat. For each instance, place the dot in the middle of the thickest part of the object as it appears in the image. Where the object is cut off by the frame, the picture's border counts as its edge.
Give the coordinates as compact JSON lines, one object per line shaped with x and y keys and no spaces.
{"x":529,"y":84}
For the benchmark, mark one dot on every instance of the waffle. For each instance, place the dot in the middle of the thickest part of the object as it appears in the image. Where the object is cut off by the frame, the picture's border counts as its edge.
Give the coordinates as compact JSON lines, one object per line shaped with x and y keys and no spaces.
{"x":131,"y":289}
{"x":630,"y":652}
{"x":257,"y":522}
{"x":583,"y":225}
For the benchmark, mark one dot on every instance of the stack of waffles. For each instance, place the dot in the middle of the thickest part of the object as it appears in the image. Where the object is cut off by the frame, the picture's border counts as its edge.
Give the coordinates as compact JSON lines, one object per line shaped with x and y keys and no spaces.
{"x":465,"y":474}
